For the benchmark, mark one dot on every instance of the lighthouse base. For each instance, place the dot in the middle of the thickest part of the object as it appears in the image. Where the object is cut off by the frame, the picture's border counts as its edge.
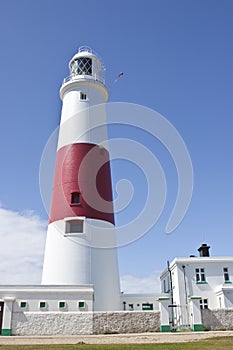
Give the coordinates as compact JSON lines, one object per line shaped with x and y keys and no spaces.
{"x":89,"y":257}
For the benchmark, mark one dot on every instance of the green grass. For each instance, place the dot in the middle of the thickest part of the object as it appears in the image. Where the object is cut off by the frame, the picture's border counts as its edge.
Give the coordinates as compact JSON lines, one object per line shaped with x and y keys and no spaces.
{"x":219,"y":343}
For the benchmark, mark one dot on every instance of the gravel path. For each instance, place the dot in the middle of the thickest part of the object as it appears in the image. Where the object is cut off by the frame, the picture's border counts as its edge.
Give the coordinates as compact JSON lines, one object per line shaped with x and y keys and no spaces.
{"x":114,"y":338}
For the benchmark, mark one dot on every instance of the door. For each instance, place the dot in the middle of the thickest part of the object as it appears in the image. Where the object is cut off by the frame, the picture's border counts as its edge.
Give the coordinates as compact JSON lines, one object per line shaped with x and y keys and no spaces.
{"x":1,"y":314}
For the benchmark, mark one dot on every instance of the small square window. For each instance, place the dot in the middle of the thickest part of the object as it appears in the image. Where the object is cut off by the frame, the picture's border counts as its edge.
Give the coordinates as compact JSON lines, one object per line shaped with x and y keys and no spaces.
{"x":203,"y":304}
{"x":23,"y":304}
{"x":74,"y":226}
{"x":62,"y":304}
{"x":131,"y":307}
{"x":42,"y":304}
{"x":83,"y":96}
{"x":75,"y":198}
{"x":81,"y":304}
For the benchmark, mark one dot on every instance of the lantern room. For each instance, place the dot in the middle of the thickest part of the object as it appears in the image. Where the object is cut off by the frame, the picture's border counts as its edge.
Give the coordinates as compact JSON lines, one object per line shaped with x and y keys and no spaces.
{"x":86,"y":64}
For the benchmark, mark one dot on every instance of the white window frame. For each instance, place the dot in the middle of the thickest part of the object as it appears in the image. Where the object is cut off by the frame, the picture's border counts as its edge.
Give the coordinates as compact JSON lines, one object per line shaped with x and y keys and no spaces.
{"x":84,"y":304}
{"x":204,"y":303}
{"x":43,"y":307}
{"x":83,"y":96}
{"x":200,"y":275}
{"x":23,"y":307}
{"x":68,"y":223}
{"x":62,"y":307}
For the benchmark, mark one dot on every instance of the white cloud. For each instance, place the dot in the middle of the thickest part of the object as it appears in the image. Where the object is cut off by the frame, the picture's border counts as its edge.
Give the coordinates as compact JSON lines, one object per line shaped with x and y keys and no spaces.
{"x":146,"y":284}
{"x":22,"y":240}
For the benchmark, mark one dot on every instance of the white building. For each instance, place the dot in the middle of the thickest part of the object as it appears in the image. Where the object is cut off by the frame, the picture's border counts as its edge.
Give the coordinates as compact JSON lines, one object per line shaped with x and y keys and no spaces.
{"x":35,"y":309}
{"x":208,"y":280}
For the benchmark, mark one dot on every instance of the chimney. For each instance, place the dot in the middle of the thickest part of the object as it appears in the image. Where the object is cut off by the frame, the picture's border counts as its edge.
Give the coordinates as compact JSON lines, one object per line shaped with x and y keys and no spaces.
{"x":204,"y":250}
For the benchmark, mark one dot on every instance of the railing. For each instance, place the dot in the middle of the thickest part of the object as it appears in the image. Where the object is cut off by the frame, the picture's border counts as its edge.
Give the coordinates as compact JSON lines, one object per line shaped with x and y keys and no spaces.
{"x":86,"y":49}
{"x":73,"y":77}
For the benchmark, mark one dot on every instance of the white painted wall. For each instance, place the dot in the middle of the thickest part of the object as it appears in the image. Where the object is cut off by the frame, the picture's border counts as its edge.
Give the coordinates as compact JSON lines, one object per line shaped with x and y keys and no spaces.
{"x":214,"y":277}
{"x":85,"y":258}
{"x":67,"y":257}
{"x":80,"y":119}
{"x":138,"y":299}
{"x":51,"y":295}
{"x":52,"y":319}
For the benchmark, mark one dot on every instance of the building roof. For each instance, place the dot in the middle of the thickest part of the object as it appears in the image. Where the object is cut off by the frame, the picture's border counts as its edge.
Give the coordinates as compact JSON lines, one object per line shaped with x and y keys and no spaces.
{"x":197,"y":260}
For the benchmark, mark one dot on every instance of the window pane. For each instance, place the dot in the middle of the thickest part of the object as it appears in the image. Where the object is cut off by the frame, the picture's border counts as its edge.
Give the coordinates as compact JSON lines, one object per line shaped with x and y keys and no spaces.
{"x":81,"y":66}
{"x":76,"y":227}
{"x":75,"y":197}
{"x":147,"y":306}
{"x":202,"y":277}
{"x":197,"y":275}
{"x":74,"y":67}
{"x":83,"y":96}
{"x":62,"y":304}
{"x":84,"y":66}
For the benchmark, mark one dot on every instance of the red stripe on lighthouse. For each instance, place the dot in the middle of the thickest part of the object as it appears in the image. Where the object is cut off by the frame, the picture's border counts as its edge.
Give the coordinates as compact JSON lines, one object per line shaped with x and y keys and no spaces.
{"x":82,"y":169}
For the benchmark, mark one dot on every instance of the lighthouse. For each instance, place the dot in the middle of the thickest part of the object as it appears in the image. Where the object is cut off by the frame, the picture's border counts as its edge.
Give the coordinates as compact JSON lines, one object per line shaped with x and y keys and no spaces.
{"x":80,"y":244}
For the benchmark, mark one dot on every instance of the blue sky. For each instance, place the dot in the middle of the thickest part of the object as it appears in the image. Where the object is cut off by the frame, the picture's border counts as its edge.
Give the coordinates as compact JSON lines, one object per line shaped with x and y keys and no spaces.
{"x":177,"y":59}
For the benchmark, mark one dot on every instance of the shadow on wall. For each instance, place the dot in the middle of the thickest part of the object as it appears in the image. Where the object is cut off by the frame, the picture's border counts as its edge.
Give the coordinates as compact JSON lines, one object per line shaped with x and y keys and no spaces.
{"x":220,"y":319}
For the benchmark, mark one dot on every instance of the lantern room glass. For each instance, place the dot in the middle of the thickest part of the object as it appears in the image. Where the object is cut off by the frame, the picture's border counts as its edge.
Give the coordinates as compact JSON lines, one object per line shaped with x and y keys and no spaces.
{"x":81,"y":66}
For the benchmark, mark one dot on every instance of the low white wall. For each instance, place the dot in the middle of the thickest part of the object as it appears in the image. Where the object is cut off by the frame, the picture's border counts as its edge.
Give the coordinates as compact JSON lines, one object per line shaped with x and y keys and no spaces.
{"x":126,"y":322}
{"x":217,"y":319}
{"x":52,"y":323}
{"x":74,"y":323}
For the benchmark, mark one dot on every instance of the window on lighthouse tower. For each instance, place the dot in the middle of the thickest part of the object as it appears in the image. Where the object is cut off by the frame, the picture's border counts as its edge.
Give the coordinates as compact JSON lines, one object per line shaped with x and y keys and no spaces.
{"x":75,"y":198}
{"x":83,"y":96}
{"x":74,"y":226}
{"x":82,"y":66}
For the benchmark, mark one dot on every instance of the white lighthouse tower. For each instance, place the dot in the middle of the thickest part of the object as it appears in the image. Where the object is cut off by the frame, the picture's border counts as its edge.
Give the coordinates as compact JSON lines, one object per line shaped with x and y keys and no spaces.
{"x":80,"y":237}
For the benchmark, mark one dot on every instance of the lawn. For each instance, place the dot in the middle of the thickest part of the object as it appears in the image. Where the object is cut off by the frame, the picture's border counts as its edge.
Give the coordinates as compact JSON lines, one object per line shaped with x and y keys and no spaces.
{"x":220,"y":343}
